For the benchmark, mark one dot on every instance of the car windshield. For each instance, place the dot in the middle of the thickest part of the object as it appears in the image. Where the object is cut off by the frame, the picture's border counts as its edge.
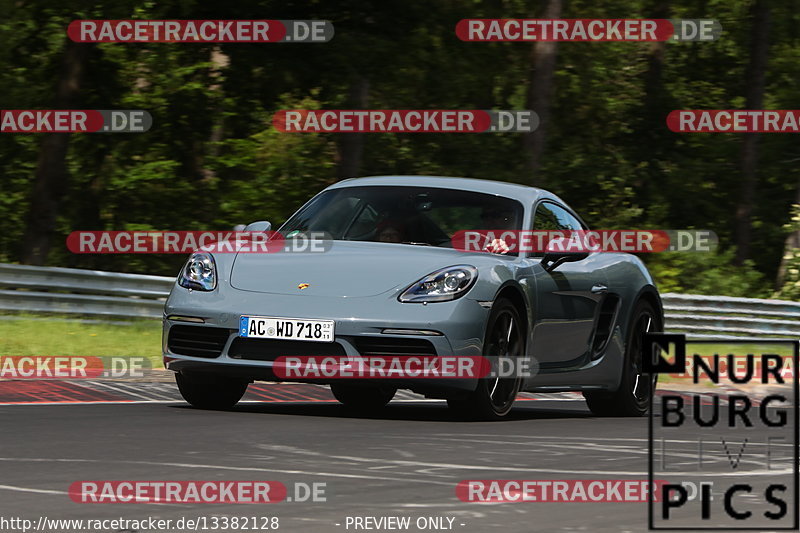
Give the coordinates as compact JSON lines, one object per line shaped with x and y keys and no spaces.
{"x":409,"y":215}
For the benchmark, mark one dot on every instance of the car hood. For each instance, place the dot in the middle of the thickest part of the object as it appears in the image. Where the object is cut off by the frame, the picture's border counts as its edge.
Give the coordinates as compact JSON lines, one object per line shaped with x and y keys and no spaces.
{"x":347,"y":269}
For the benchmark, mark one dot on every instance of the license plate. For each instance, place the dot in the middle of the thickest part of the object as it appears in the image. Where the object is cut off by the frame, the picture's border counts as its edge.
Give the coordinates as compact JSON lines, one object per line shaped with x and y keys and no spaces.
{"x":296,"y":329}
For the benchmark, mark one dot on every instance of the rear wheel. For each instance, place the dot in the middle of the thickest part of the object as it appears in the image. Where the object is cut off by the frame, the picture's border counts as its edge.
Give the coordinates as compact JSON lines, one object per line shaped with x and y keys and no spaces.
{"x":210,"y":392}
{"x":636,"y":388}
{"x":494,"y":397}
{"x":363,"y":398}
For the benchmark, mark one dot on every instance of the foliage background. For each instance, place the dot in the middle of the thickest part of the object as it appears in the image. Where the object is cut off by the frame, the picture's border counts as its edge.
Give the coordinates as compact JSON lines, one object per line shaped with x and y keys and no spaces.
{"x":213,"y":160}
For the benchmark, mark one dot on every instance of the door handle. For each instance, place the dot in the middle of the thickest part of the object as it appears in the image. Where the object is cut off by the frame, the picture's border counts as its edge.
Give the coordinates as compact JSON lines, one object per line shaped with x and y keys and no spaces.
{"x":599,"y":288}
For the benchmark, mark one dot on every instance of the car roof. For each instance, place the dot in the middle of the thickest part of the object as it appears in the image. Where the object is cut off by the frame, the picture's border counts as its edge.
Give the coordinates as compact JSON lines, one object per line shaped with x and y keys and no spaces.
{"x":519,"y":192}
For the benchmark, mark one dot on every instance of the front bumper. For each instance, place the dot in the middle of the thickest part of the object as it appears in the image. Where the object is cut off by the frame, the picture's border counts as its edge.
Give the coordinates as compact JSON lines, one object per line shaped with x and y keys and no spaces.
{"x":461,"y":324}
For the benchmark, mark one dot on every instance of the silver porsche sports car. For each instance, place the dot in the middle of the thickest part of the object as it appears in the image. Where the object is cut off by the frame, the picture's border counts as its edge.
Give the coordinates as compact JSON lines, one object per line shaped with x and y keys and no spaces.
{"x":391,"y":283}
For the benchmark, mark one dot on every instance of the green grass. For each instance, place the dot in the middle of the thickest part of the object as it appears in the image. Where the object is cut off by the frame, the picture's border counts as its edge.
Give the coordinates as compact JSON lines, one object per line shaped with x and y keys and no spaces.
{"x":24,"y":335}
{"x":739,"y":350}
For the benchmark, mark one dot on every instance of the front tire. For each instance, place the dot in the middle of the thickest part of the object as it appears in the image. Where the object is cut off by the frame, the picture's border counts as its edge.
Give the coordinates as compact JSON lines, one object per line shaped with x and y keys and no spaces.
{"x":636,"y":388}
{"x":210,"y":392}
{"x":363,"y":398}
{"x":494,"y":397}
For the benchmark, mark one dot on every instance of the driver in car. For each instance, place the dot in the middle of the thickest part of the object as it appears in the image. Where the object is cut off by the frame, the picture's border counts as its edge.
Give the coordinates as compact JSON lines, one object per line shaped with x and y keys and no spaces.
{"x":390,"y":231}
{"x":494,"y":219}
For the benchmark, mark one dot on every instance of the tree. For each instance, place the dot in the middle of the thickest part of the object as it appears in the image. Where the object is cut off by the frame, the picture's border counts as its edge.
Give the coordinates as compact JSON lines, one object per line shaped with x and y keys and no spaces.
{"x":540,"y":92}
{"x":756,"y":79}
{"x":51,"y":178}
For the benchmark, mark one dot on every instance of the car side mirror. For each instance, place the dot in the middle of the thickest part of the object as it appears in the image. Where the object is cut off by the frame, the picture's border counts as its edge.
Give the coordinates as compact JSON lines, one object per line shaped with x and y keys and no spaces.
{"x":258,"y":227}
{"x":553,"y":260}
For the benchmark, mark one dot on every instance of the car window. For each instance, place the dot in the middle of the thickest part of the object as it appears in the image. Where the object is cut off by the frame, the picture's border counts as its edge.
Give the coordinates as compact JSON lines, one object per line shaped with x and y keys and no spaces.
{"x":406,"y":215}
{"x":331,"y":214}
{"x":364,"y":224}
{"x":551,"y":217}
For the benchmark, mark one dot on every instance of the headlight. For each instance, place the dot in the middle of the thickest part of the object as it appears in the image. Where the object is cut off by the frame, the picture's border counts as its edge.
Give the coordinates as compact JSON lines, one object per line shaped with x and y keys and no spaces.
{"x":441,"y":286}
{"x":200,"y":272}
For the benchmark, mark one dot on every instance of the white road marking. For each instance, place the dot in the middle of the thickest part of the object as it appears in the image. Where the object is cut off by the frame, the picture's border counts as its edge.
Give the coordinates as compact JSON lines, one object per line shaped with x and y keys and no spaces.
{"x":26,"y":489}
{"x":455,"y":466}
{"x":232,"y":468}
{"x":122,"y":391}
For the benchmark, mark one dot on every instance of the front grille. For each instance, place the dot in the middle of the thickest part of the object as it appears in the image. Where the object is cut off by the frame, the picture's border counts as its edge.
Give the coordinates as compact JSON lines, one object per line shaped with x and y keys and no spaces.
{"x":197,"y":341}
{"x":394,"y":346}
{"x":270,"y":349}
